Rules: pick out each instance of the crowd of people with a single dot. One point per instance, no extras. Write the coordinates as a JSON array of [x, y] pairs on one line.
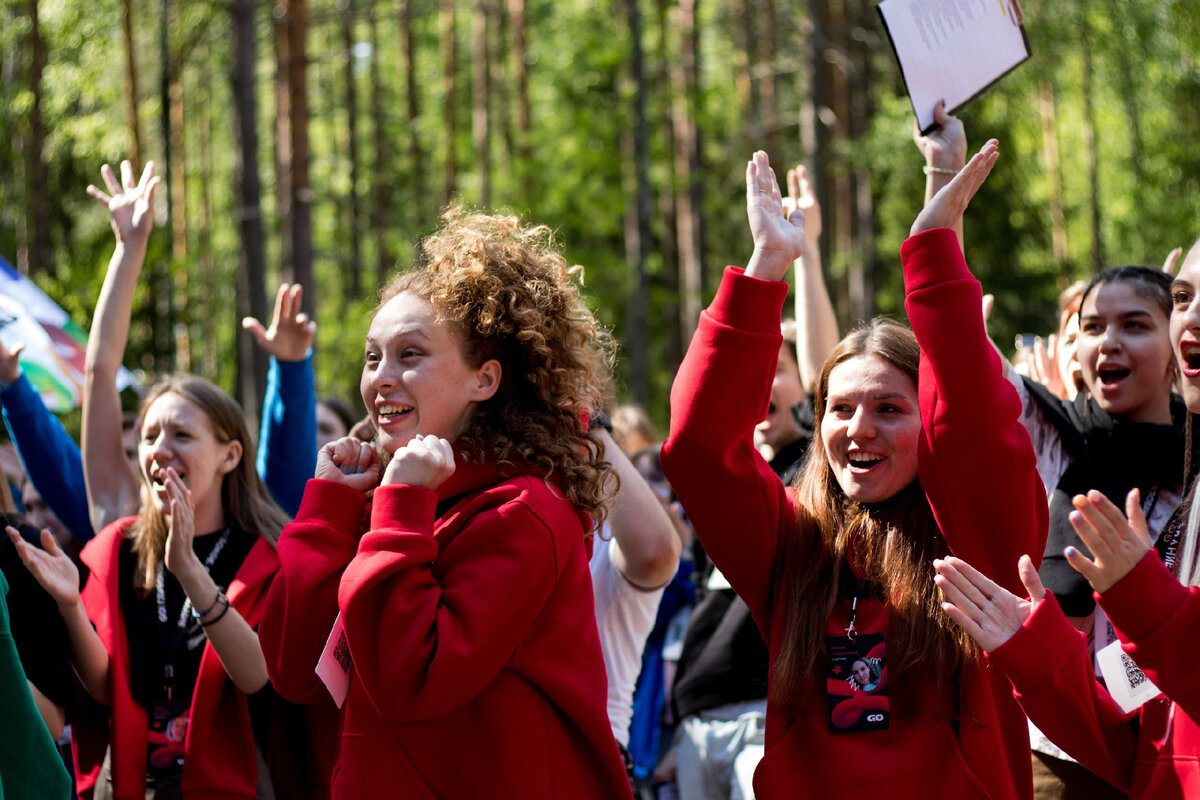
[[890, 563]]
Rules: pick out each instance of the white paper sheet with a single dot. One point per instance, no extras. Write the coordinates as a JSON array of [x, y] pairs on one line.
[[952, 49]]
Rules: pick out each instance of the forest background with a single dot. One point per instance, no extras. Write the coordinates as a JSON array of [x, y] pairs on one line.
[[317, 140]]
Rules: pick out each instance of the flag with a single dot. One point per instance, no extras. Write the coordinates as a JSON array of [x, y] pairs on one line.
[[55, 348]]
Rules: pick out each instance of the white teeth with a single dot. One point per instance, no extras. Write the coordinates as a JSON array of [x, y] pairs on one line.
[[863, 460], [387, 411]]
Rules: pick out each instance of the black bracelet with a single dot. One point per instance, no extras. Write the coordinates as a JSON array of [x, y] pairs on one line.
[[600, 420], [217, 618], [198, 614]]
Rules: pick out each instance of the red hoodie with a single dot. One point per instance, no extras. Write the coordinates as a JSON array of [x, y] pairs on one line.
[[477, 668], [1153, 752], [977, 469], [220, 757]]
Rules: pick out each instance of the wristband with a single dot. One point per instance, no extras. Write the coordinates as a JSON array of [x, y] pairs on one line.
[[600, 420], [224, 610], [198, 614], [928, 170]]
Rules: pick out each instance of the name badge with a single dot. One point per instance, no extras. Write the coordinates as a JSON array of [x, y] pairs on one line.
[[333, 668], [1124, 679], [856, 683]]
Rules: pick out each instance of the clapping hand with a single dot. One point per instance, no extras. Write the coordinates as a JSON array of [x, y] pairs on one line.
[[988, 612], [1117, 543], [50, 566]]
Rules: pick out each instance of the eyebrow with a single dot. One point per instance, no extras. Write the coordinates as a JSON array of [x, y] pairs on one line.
[[1133, 312], [415, 332], [1179, 284]]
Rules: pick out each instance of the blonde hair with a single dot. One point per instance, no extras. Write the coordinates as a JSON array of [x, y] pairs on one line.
[[244, 497], [509, 295]]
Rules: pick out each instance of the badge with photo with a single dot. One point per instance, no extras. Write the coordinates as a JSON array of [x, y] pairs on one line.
[[856, 683]]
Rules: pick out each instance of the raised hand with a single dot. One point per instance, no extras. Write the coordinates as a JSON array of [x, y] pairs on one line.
[[350, 461], [1117, 543], [1169, 261], [801, 196], [50, 566], [425, 461], [182, 528], [291, 332], [946, 208], [10, 363], [988, 612], [945, 147], [778, 237], [130, 205]]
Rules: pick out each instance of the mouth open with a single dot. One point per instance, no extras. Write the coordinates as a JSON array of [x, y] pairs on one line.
[[1190, 357], [863, 462], [393, 413], [1111, 376]]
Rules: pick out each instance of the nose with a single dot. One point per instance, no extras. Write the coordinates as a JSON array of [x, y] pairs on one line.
[[160, 449], [1191, 316], [1111, 340], [861, 425], [384, 376]]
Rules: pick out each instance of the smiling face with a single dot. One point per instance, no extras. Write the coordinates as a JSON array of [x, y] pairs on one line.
[[1124, 352], [177, 433], [870, 428], [415, 378], [1185, 328], [861, 673]]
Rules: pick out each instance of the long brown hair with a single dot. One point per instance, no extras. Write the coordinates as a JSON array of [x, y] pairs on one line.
[[244, 497], [510, 296], [891, 544]]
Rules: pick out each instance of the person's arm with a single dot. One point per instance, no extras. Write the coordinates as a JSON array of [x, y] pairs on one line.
[[59, 576], [49, 454], [287, 442], [738, 507], [314, 550], [54, 715], [1029, 640], [112, 487], [645, 546], [945, 151], [976, 464], [816, 324]]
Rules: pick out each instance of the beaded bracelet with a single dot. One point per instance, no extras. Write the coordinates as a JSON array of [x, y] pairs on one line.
[[928, 170], [217, 618]]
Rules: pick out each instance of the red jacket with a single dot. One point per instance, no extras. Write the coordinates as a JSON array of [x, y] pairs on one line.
[[220, 757], [977, 469], [477, 667], [1156, 618]]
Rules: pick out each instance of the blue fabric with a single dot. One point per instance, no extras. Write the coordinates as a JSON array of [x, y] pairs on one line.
[[287, 440], [649, 697], [51, 457]]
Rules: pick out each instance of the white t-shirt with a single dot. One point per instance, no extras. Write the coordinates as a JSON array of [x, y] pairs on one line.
[[624, 617]]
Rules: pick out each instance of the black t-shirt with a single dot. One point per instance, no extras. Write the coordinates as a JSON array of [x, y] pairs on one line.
[[166, 641], [38, 628]]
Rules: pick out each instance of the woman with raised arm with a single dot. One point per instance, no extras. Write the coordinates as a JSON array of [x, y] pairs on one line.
[[447, 565], [918, 454], [163, 633], [1147, 740]]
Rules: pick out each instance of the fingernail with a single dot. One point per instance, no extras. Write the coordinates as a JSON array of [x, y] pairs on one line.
[[1071, 552]]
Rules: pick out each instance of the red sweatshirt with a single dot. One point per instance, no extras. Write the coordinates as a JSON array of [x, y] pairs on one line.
[[477, 667], [978, 471], [1156, 618], [220, 756]]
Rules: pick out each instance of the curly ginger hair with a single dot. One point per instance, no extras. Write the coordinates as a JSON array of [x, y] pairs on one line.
[[509, 294]]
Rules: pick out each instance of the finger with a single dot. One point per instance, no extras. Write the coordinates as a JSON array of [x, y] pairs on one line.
[[1137, 520], [963, 621], [1083, 565], [939, 112], [776, 195], [1108, 509], [256, 329], [955, 596], [1087, 523], [989, 301], [1030, 578], [147, 174], [98, 195], [49, 543], [793, 180], [16, 350], [110, 180], [127, 175], [807, 195], [149, 194], [281, 304], [295, 295], [969, 583], [1172, 257], [751, 182]]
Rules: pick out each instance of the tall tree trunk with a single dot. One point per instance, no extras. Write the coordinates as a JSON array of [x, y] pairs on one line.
[[40, 251], [412, 104], [450, 100], [668, 244], [381, 179], [1089, 143], [637, 320], [502, 92], [1058, 217], [689, 224], [204, 135], [1127, 74], [350, 81], [166, 333], [768, 28], [131, 85], [252, 299], [516, 12], [861, 275], [480, 117], [295, 194]]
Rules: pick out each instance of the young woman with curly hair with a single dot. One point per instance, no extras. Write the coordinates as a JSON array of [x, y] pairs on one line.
[[918, 453], [452, 555]]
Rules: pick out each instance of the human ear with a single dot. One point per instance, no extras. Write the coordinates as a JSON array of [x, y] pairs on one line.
[[487, 381], [233, 457]]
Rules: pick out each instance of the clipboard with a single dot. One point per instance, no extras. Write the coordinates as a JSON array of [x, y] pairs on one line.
[[953, 51]]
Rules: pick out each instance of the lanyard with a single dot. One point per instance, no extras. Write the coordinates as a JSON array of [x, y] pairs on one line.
[[852, 634], [160, 589]]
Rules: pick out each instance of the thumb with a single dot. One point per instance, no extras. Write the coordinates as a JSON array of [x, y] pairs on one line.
[[17, 349], [1031, 579], [255, 327]]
